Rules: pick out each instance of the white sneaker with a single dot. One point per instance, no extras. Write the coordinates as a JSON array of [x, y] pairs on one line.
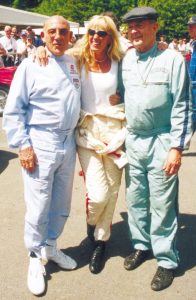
[[35, 279], [56, 255]]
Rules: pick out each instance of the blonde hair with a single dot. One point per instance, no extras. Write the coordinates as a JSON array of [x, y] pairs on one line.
[[81, 50]]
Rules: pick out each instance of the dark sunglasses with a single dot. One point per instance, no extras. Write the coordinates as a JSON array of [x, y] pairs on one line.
[[100, 33]]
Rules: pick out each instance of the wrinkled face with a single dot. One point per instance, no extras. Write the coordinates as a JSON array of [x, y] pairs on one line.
[[142, 34], [99, 39], [192, 31], [57, 35]]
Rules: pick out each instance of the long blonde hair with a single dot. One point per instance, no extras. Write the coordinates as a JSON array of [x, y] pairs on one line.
[[81, 50]]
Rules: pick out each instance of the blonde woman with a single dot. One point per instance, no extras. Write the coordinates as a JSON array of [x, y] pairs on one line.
[[101, 129]]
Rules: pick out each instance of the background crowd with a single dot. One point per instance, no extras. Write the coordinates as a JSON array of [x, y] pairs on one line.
[[15, 45]]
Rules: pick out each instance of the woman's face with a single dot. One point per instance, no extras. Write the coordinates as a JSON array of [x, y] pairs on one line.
[[99, 39]]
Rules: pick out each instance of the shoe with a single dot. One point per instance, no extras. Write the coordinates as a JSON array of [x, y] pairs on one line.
[[35, 279], [90, 232], [162, 279], [135, 259], [97, 259], [62, 260]]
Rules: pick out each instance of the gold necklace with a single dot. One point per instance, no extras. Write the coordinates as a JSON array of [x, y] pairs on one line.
[[100, 61]]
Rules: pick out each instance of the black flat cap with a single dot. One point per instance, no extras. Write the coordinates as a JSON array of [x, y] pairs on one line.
[[141, 13], [192, 20]]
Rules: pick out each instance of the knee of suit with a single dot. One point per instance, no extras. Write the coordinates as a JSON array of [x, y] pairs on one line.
[[99, 197]]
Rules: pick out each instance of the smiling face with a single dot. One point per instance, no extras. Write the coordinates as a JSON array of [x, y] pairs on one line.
[[142, 34], [57, 35], [99, 39]]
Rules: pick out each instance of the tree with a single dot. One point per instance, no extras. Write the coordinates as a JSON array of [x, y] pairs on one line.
[[80, 11], [173, 16]]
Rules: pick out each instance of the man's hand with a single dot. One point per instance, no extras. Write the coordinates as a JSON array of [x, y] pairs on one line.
[[115, 99], [41, 56], [173, 162], [28, 159]]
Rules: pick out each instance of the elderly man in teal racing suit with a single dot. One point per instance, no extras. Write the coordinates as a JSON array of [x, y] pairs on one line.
[[158, 112]]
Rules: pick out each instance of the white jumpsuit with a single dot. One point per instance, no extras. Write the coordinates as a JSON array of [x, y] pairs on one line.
[[101, 124], [42, 111]]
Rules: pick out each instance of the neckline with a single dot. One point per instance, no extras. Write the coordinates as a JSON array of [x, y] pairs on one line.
[[152, 53], [111, 66]]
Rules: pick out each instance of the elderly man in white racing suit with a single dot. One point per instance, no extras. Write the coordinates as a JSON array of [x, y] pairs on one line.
[[40, 117], [159, 128]]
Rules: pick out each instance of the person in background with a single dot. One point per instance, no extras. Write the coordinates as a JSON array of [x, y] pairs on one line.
[[21, 48], [30, 48], [40, 117], [15, 33], [163, 40], [173, 45], [182, 46], [158, 111], [192, 65], [10, 45], [2, 52], [36, 40]]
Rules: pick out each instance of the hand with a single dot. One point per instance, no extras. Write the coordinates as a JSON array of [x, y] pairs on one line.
[[173, 162], [28, 159], [115, 143], [115, 99], [41, 56]]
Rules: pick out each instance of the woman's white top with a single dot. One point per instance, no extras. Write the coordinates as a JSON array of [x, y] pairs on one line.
[[97, 88]]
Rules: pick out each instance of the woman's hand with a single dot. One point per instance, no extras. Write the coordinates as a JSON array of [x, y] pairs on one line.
[[115, 99], [41, 56]]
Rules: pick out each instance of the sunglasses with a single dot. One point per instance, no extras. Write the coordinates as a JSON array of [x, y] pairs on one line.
[[100, 33]]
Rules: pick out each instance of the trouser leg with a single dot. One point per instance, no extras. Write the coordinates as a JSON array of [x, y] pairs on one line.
[[164, 199], [99, 208], [137, 198], [37, 193], [47, 207], [62, 191], [113, 176]]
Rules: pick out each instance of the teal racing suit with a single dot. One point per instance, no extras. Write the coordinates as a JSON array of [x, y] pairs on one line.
[[158, 110]]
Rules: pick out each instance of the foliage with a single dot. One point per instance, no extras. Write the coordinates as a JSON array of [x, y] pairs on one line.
[[173, 16]]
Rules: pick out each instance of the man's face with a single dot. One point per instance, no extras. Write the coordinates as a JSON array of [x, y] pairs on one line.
[[192, 31], [142, 34], [8, 31], [57, 35]]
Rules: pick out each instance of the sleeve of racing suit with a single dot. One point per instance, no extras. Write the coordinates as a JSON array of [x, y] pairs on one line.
[[14, 115], [181, 114]]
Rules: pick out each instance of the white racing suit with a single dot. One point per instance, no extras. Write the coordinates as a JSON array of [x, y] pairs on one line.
[[100, 138]]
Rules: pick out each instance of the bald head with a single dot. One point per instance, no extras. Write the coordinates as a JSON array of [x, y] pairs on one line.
[[57, 34], [54, 20]]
